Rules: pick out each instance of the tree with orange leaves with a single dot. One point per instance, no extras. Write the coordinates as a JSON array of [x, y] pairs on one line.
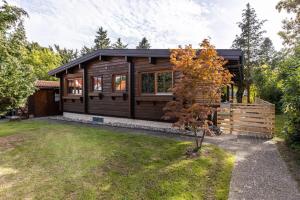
[[197, 88]]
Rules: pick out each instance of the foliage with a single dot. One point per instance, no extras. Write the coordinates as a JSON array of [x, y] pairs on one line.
[[249, 41], [143, 44], [291, 27], [66, 55], [16, 75], [290, 78], [119, 44], [101, 39], [85, 50], [267, 52], [268, 87], [201, 75], [80, 162], [43, 60]]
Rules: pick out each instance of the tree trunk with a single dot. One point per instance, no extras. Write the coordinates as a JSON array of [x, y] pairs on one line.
[[240, 92], [248, 93]]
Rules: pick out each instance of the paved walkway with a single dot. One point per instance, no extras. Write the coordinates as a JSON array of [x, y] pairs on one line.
[[259, 172]]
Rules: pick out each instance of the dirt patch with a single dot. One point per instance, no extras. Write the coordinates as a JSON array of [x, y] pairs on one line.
[[11, 141], [292, 159]]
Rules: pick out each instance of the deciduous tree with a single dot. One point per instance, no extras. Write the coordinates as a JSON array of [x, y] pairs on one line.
[[291, 27], [200, 75], [16, 76]]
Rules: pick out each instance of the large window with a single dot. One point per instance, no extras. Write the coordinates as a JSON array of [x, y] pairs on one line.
[[148, 80], [74, 86], [97, 83], [156, 82], [120, 83], [164, 82]]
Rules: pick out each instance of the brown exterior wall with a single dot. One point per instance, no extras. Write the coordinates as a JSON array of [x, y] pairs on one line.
[[111, 103], [149, 106], [42, 103], [124, 104]]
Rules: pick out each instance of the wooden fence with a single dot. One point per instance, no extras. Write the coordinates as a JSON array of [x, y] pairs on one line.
[[257, 119]]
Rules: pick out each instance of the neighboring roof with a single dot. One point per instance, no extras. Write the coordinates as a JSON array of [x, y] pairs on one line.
[[47, 84], [230, 54]]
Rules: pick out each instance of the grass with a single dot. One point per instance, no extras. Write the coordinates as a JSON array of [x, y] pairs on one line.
[[290, 156], [59, 161]]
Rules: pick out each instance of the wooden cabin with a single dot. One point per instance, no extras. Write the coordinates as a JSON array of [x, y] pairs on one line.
[[129, 83], [45, 100]]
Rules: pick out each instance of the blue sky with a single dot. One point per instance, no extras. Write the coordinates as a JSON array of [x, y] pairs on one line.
[[166, 23]]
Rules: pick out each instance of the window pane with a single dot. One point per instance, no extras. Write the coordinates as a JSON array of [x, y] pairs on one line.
[[120, 83], [97, 83], [164, 82], [74, 86], [148, 83]]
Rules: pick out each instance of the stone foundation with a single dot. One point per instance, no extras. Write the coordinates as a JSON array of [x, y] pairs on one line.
[[121, 122]]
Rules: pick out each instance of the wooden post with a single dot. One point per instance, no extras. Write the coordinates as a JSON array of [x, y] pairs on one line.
[[131, 89], [232, 93], [231, 118], [85, 88], [61, 93], [227, 96]]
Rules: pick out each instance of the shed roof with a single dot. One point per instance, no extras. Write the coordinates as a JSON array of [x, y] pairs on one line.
[[47, 84], [229, 54]]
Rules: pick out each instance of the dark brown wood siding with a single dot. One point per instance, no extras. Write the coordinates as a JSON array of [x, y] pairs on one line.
[[110, 103], [149, 106], [42, 103], [75, 103]]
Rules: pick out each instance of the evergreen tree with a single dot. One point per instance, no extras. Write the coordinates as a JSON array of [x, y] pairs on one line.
[[143, 44], [101, 39], [267, 52], [16, 76], [119, 45], [249, 41], [66, 55], [85, 50]]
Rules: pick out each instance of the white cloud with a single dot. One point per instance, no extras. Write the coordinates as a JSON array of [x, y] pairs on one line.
[[166, 23]]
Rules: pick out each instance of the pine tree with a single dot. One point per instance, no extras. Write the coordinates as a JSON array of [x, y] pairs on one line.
[[249, 41], [119, 45], [66, 55], [85, 50], [101, 39], [143, 44]]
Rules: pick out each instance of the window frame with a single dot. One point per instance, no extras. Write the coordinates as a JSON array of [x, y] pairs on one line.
[[67, 79], [114, 83], [92, 83], [155, 93]]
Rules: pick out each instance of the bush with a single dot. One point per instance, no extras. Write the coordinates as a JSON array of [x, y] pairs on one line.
[[290, 74]]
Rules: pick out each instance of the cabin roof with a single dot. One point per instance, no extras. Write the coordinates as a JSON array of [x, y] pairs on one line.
[[46, 84], [229, 54]]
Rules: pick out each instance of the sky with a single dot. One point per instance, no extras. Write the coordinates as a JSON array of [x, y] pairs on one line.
[[165, 23]]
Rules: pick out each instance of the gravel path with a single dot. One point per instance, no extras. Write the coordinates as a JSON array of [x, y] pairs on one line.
[[259, 172]]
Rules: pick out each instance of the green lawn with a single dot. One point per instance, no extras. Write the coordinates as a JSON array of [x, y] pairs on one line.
[[54, 161]]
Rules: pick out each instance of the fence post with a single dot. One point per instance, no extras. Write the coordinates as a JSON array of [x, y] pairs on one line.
[[231, 117]]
